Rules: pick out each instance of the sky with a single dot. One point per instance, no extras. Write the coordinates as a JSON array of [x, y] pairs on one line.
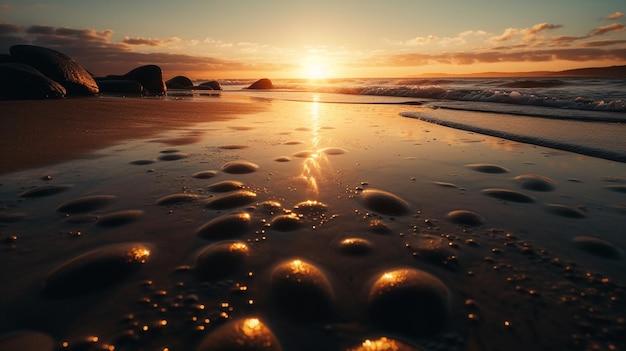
[[322, 39]]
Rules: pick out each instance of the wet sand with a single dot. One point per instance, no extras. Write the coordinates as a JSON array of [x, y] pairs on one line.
[[299, 226], [46, 132]]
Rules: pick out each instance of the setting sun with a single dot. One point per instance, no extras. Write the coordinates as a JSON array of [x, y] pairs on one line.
[[315, 68]]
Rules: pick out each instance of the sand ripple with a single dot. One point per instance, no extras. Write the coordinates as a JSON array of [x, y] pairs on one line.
[[232, 200], [487, 168], [221, 260], [225, 226], [508, 195], [384, 202], [241, 334]]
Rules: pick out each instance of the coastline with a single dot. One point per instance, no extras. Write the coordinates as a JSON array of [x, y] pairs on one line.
[[145, 173]]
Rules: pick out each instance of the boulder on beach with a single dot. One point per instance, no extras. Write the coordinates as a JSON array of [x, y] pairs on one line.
[[212, 84], [119, 86], [149, 76], [179, 82], [58, 67], [262, 83], [19, 81]]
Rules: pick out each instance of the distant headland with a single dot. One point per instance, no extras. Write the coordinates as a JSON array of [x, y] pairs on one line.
[[604, 72]]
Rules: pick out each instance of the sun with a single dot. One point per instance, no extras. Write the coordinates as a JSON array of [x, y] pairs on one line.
[[315, 68]]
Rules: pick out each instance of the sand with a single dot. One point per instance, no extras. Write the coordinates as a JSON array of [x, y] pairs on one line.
[[186, 225], [39, 132]]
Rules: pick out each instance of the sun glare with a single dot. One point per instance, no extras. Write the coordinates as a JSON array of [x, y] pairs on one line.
[[315, 68]]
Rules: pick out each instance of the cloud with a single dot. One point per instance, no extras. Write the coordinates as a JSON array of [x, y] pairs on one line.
[[606, 42], [529, 34], [9, 29], [149, 41], [614, 27], [508, 34], [581, 54], [97, 52], [614, 16]]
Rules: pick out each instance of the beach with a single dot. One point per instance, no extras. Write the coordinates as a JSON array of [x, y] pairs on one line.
[[185, 224]]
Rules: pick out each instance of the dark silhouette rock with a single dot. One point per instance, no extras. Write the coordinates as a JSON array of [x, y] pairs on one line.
[[149, 76], [58, 67], [179, 82], [19, 81], [262, 83], [4, 58], [115, 86], [213, 85]]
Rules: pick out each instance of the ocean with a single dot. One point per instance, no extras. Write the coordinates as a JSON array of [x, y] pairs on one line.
[[577, 114]]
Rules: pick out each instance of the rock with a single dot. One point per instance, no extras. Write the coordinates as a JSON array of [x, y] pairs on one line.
[[58, 67], [179, 82], [4, 58], [19, 81], [149, 76], [119, 86], [262, 83], [213, 84]]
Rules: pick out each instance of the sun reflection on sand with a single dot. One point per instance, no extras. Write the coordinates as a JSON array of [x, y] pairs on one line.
[[312, 166]]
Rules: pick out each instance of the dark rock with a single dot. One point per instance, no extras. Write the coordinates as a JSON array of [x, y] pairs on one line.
[[119, 86], [262, 83], [19, 81], [179, 82], [213, 84], [149, 76], [58, 67], [4, 58]]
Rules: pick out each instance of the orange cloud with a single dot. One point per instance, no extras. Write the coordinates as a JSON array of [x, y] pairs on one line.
[[466, 58], [149, 41], [615, 27], [614, 16]]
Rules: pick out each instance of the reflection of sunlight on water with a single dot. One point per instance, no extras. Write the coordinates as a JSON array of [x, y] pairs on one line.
[[311, 169]]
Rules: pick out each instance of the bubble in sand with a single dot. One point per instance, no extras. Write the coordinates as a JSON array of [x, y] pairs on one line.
[[355, 246], [383, 344], [46, 190], [176, 199], [598, 247], [232, 200], [118, 218], [384, 202], [221, 260], [240, 167], [465, 217], [487, 168], [535, 182], [95, 270], [286, 222], [174, 156], [304, 153], [225, 186], [205, 174], [333, 151], [311, 207], [270, 206], [27, 341], [617, 188], [434, 249], [86, 204], [508, 195], [233, 147], [409, 300], [293, 142], [282, 159], [142, 162], [301, 291], [565, 211], [226, 226], [241, 334]]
